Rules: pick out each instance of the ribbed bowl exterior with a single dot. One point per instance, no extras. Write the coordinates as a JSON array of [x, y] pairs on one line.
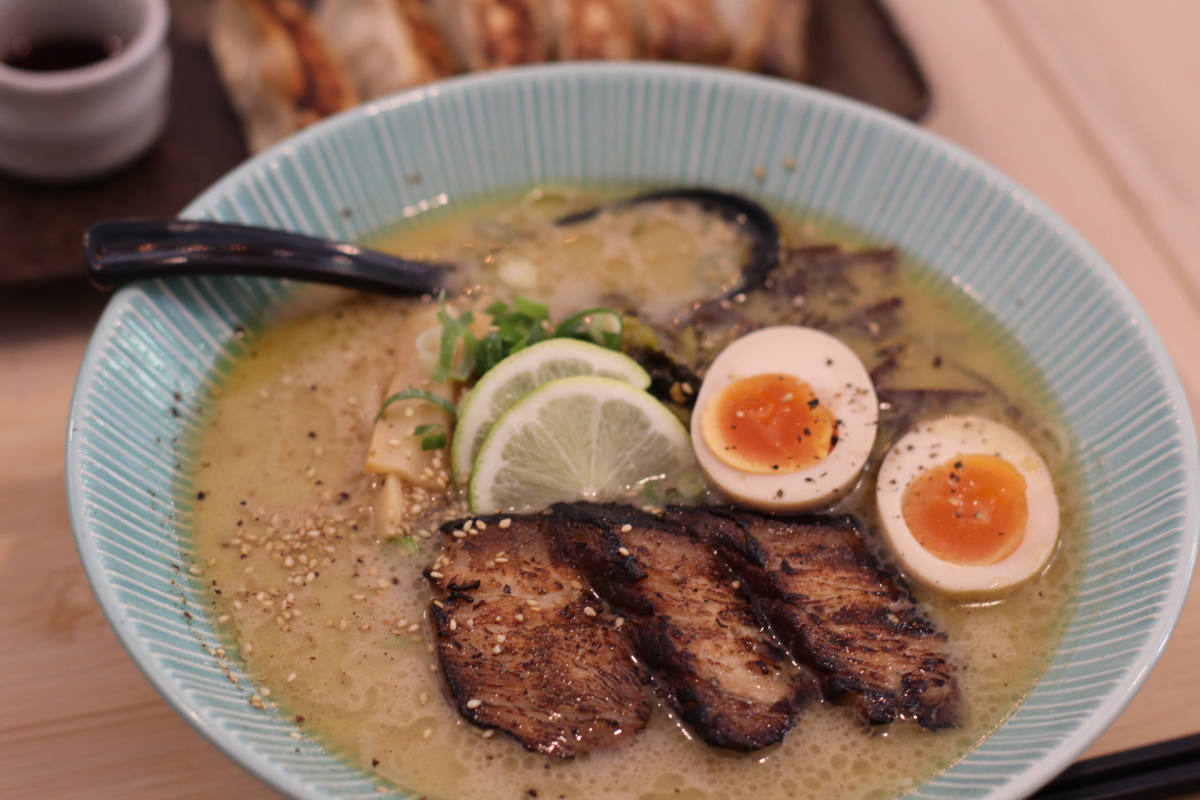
[[141, 396]]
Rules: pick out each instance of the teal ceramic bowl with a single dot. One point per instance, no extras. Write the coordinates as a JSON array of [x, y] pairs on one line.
[[138, 403]]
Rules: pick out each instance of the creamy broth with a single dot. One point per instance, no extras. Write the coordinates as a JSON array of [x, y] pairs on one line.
[[330, 617]]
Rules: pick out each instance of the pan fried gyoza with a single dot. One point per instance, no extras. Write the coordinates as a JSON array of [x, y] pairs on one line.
[[769, 36], [388, 45], [717, 668], [520, 650], [277, 67], [589, 30], [487, 34], [824, 594]]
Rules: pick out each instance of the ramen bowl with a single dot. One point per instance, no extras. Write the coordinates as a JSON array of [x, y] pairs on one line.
[[162, 345]]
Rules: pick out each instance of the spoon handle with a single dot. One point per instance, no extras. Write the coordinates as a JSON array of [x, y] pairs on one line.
[[119, 251]]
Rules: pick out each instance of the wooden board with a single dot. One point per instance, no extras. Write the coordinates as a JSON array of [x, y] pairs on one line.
[[1026, 84]]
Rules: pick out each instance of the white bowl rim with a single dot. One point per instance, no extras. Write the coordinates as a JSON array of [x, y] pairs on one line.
[[1053, 761]]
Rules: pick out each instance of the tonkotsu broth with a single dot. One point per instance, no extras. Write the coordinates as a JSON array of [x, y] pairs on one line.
[[346, 650]]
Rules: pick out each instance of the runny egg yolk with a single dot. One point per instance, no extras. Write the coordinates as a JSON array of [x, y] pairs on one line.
[[969, 511], [768, 424]]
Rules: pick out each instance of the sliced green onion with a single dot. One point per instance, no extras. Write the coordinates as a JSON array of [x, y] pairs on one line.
[[530, 308], [419, 394], [594, 318]]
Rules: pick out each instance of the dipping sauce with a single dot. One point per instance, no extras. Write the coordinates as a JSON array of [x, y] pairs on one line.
[[53, 55]]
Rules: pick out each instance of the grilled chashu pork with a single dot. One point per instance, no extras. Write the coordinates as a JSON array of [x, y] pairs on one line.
[[827, 599], [687, 622], [520, 650]]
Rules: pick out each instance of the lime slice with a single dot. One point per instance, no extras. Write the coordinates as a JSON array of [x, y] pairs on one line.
[[521, 373], [582, 438]]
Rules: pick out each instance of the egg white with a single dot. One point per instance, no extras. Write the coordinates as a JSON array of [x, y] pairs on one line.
[[838, 379], [936, 442]]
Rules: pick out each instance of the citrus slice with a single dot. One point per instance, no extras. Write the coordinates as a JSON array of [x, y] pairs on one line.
[[521, 373], [583, 438]]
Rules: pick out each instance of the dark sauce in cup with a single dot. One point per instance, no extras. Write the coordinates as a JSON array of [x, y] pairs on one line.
[[53, 55]]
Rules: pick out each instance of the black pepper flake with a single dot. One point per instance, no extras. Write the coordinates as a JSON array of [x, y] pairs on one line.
[[814, 403], [833, 440], [774, 466], [174, 411], [178, 397], [532, 792], [958, 465], [507, 589], [201, 495], [300, 719], [374, 762], [937, 361], [312, 434]]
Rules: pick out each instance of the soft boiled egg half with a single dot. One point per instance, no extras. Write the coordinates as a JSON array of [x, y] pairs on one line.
[[785, 419], [967, 506]]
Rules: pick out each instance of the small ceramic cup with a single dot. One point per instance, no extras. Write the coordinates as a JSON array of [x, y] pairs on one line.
[[74, 124]]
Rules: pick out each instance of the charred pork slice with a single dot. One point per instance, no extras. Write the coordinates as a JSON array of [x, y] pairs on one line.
[[521, 647], [827, 599], [687, 622]]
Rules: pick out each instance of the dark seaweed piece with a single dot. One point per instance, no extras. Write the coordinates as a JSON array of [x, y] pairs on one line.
[[890, 363], [822, 269], [911, 401], [670, 381], [878, 320], [754, 220]]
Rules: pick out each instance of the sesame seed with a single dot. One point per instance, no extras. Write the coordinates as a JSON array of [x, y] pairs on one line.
[[623, 551], [296, 735], [626, 528], [520, 617], [504, 523], [501, 560], [257, 702], [360, 597], [408, 412], [416, 637], [591, 612], [394, 442], [474, 703], [576, 585], [496, 650], [427, 733], [453, 624], [342, 624], [436, 575], [423, 699], [266, 692], [424, 534], [439, 604], [619, 622], [381, 583], [195, 570], [237, 604], [223, 618], [500, 637], [737, 584], [291, 677], [489, 733], [460, 534], [413, 628], [433, 667], [480, 524]]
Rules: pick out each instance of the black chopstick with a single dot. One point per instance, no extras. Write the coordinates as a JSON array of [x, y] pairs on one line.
[[1154, 772]]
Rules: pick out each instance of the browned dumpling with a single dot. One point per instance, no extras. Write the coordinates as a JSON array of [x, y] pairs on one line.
[[590, 30], [277, 67], [388, 45], [769, 36], [487, 34], [684, 30]]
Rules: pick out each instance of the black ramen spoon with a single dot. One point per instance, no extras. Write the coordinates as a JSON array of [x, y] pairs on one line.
[[118, 251], [753, 220]]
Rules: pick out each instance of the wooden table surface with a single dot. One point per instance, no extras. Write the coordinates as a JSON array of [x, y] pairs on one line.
[[1091, 104]]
